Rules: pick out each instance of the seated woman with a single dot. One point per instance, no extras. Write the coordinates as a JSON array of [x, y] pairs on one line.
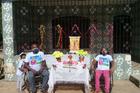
[[101, 66], [36, 65]]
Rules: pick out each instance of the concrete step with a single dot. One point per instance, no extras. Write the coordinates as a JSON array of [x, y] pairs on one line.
[[135, 65], [135, 79]]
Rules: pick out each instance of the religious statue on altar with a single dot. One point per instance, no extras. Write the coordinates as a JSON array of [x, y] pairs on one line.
[[60, 32], [70, 61], [82, 53], [42, 33]]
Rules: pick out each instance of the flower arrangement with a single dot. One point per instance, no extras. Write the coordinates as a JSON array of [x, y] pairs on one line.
[[81, 52], [57, 54]]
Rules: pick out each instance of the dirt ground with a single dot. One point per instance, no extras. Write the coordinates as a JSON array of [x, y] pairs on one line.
[[120, 86]]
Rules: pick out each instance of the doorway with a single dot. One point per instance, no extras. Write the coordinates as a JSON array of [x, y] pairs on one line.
[[122, 34]]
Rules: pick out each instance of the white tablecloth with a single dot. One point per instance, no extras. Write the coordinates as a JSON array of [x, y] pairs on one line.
[[74, 74]]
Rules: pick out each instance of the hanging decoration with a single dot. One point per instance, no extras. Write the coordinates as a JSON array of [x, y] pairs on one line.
[[93, 28], [109, 29], [60, 31]]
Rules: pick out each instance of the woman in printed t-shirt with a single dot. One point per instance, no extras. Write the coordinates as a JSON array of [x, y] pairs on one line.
[[103, 61], [36, 65]]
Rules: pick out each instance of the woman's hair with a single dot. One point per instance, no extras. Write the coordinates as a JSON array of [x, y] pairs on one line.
[[102, 49], [23, 54]]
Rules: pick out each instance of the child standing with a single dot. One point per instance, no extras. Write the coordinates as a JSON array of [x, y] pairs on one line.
[[20, 73]]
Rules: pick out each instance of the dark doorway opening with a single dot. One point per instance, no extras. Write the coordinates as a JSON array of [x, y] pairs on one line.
[[67, 23], [122, 34]]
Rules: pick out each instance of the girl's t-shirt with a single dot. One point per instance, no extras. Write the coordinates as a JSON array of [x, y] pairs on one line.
[[19, 65]]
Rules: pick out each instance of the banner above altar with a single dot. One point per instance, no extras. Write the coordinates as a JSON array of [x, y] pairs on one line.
[[74, 43]]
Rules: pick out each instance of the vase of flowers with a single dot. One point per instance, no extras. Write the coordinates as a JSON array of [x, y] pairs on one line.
[[81, 54], [58, 55]]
